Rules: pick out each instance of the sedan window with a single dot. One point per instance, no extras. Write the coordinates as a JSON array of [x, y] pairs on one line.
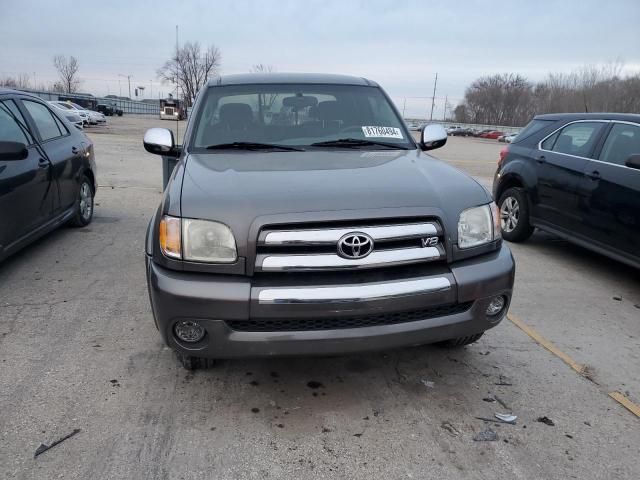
[[12, 125], [622, 142], [44, 120]]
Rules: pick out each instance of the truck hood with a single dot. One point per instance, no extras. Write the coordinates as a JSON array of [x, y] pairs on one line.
[[236, 188]]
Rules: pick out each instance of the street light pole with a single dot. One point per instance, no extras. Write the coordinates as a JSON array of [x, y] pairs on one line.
[[128, 77]]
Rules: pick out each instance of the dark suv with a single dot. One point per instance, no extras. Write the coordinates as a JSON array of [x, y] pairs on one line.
[[577, 176], [302, 218]]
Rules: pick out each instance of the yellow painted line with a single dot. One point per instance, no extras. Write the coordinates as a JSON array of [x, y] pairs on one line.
[[578, 367], [626, 403]]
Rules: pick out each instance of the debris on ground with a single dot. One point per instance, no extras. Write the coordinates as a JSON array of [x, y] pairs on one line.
[[313, 384], [617, 298], [485, 419], [489, 399], [43, 448], [546, 420], [502, 380], [427, 383], [507, 418], [487, 435], [501, 402], [450, 428]]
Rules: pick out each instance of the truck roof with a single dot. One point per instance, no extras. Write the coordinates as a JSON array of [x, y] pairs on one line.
[[284, 78]]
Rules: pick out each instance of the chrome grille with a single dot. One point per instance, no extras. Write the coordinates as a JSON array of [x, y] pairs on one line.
[[315, 248]]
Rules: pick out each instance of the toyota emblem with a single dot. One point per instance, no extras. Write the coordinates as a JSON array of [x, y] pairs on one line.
[[355, 245]]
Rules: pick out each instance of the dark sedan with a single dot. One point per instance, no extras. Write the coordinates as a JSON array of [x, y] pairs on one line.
[[577, 176], [47, 171]]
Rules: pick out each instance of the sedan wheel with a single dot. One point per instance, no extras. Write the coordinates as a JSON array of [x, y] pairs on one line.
[[84, 205]]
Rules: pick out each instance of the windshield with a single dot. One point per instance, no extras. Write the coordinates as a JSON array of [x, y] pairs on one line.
[[298, 116]]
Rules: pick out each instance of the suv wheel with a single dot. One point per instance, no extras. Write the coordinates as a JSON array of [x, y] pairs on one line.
[[84, 204], [514, 215], [462, 341], [194, 363]]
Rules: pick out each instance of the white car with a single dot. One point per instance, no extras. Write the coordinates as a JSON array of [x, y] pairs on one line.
[[510, 138], [65, 106], [95, 118]]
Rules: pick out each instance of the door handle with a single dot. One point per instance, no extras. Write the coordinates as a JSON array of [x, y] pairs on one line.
[[594, 175], [541, 159], [43, 163], [74, 149]]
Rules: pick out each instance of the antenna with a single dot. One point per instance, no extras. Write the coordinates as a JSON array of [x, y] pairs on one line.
[[433, 99], [177, 89]]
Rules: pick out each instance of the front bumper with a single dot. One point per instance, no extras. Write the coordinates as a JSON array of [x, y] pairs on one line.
[[219, 302]]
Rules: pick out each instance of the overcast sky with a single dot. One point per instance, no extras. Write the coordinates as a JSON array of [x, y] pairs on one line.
[[399, 43]]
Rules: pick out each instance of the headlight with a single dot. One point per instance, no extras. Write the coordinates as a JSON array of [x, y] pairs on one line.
[[206, 241], [197, 240], [478, 225]]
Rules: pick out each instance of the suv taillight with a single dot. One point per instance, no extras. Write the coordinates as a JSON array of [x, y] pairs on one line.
[[503, 153]]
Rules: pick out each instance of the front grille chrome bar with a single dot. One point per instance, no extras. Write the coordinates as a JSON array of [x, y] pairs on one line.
[[329, 261], [372, 291], [332, 235]]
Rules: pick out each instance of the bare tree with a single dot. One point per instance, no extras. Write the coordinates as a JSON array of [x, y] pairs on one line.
[[265, 102], [262, 68], [511, 100], [20, 82], [190, 68], [68, 72]]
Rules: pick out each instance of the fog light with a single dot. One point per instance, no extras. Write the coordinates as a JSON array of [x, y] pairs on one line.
[[189, 331], [496, 305]]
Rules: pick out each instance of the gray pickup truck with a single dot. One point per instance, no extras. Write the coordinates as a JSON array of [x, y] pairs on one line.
[[303, 219]]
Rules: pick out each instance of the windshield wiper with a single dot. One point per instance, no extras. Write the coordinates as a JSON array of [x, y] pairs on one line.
[[253, 146], [357, 142]]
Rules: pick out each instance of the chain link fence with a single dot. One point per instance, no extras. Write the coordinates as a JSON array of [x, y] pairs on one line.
[[126, 105]]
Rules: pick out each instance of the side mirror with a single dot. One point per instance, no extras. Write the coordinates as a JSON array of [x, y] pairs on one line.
[[160, 141], [433, 136], [13, 151], [633, 161]]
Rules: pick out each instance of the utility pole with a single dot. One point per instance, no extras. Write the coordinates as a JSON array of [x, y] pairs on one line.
[[433, 99], [446, 101], [404, 104]]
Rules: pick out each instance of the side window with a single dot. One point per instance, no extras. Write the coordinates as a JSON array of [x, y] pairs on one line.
[[574, 139], [13, 128], [45, 121], [61, 126], [622, 142]]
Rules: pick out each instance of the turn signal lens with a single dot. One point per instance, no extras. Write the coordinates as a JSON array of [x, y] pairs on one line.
[[170, 237], [495, 212]]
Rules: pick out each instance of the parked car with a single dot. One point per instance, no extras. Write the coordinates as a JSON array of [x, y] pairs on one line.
[[452, 129], [509, 138], [47, 171], [479, 133], [270, 240], [413, 126], [576, 176], [461, 132], [95, 118], [83, 114], [70, 115], [494, 134], [109, 109]]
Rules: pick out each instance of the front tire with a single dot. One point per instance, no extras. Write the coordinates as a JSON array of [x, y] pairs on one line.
[[514, 215], [194, 363], [84, 204], [462, 341]]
